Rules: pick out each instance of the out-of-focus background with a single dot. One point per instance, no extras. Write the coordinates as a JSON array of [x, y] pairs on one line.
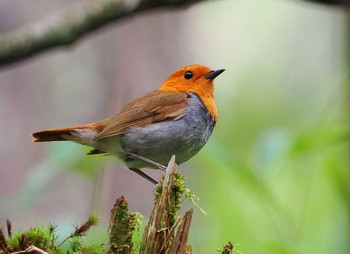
[[273, 178]]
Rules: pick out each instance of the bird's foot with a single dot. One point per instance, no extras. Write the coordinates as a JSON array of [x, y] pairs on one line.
[[144, 175], [149, 161]]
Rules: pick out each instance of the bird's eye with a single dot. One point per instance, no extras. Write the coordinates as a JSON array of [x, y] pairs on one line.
[[188, 75]]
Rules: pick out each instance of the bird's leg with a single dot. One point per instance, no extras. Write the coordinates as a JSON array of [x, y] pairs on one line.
[[144, 175], [153, 163]]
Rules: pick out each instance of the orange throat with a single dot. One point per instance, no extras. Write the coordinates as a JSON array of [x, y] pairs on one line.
[[206, 96], [209, 103]]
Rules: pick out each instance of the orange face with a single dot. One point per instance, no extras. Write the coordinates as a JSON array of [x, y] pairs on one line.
[[193, 78]]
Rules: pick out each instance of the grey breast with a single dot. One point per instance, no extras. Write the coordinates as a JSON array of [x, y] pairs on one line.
[[183, 137]]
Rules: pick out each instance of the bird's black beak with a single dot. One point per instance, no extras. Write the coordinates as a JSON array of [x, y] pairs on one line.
[[214, 74]]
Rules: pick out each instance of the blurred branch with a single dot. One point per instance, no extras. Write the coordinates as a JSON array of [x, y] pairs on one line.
[[67, 27], [331, 2], [78, 20]]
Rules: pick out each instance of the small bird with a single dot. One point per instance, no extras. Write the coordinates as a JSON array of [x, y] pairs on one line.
[[177, 118]]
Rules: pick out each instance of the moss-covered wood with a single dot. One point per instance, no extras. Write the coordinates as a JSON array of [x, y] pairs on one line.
[[122, 226], [166, 231]]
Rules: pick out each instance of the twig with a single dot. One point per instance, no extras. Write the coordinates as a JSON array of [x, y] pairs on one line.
[[3, 243], [68, 26], [31, 249], [82, 229], [9, 228]]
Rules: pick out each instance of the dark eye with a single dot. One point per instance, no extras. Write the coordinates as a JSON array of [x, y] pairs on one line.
[[188, 75]]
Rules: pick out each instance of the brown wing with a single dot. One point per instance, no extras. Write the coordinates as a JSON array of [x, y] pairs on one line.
[[153, 107]]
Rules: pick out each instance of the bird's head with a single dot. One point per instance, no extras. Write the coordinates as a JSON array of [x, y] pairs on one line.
[[197, 79], [191, 78]]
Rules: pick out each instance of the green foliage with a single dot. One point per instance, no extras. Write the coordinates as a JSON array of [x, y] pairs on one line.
[[76, 245], [41, 237], [46, 239]]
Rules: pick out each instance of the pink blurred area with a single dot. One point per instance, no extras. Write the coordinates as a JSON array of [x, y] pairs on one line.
[[78, 84]]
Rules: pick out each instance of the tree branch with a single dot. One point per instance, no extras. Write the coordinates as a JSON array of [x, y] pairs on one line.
[[331, 2], [67, 27]]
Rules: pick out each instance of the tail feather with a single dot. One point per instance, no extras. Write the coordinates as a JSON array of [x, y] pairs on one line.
[[49, 135], [60, 134]]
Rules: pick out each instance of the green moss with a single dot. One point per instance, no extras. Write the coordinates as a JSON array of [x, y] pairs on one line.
[[45, 238], [176, 196], [76, 245], [123, 226], [40, 237]]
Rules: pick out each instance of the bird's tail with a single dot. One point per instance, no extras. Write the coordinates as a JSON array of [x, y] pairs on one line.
[[82, 134]]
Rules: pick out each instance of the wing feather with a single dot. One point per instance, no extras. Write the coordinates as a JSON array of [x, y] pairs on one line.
[[153, 107]]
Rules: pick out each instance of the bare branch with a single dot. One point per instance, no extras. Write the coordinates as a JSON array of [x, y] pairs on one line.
[[31, 249], [67, 27]]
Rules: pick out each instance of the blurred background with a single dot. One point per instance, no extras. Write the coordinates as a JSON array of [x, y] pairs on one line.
[[273, 178]]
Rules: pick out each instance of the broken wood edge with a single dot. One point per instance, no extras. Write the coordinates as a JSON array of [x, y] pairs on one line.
[[164, 223], [179, 244]]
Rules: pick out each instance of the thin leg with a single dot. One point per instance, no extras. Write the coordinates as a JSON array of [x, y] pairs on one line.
[[144, 175], [140, 157]]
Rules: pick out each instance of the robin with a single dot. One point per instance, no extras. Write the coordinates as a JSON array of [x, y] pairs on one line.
[[177, 118]]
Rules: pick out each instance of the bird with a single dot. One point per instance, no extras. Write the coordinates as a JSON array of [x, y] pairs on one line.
[[175, 119]]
